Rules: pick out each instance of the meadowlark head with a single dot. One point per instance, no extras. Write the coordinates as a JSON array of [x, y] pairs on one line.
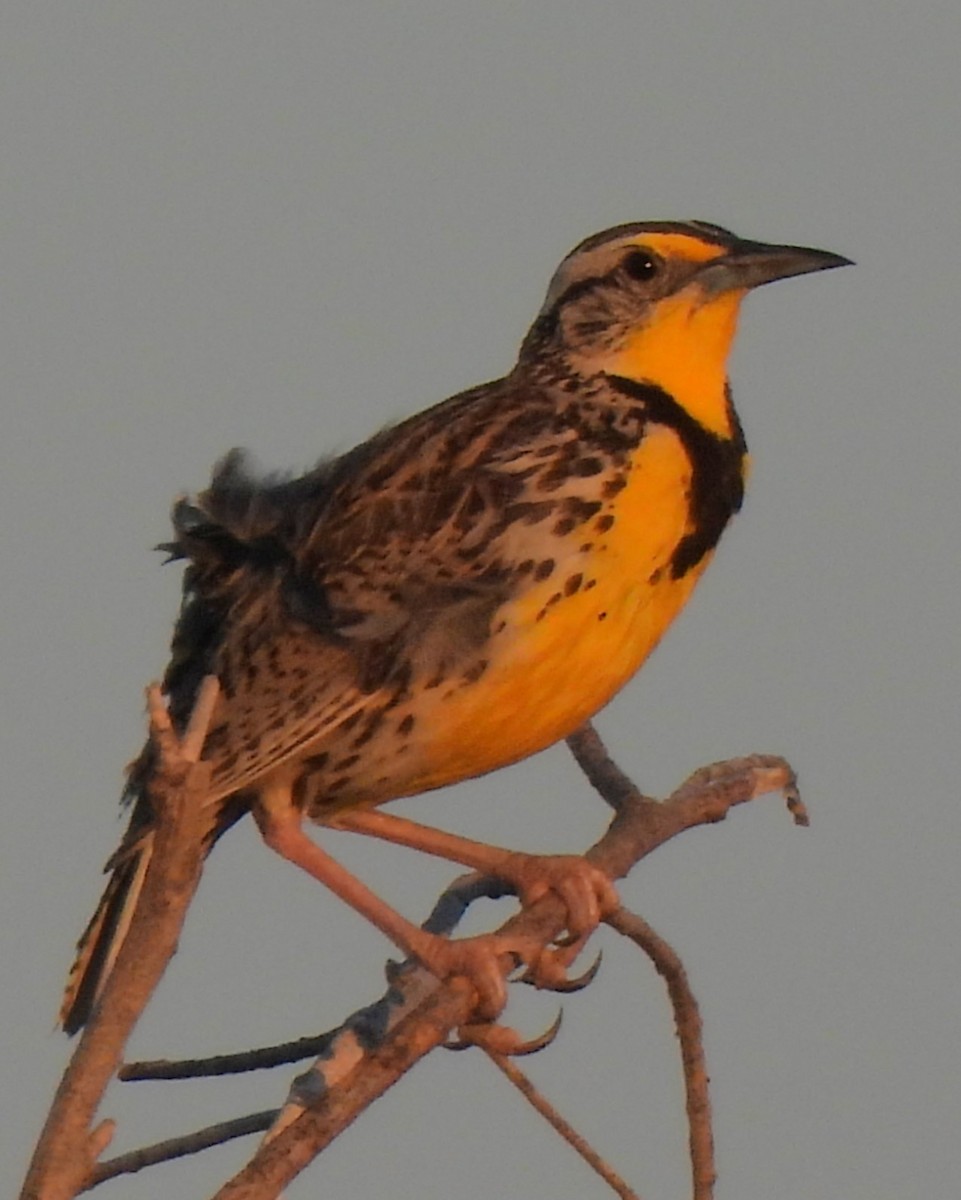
[[657, 288]]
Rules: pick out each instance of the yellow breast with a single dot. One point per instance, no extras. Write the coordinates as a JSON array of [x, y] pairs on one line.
[[563, 648]]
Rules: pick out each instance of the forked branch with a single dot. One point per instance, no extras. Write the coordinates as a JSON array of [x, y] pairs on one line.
[[376, 1048], [325, 1100], [67, 1149]]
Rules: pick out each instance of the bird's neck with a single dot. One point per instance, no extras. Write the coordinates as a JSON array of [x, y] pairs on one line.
[[684, 352]]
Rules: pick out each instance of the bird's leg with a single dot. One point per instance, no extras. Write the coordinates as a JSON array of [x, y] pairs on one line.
[[587, 892], [479, 958]]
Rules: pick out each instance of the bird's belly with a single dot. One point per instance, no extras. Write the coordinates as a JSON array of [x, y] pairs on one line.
[[563, 648]]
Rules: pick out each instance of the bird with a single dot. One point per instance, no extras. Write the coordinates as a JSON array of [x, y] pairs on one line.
[[463, 589]]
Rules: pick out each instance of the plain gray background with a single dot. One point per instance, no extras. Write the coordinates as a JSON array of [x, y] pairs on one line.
[[280, 225]]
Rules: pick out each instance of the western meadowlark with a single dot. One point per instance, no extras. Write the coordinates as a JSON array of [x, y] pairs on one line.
[[465, 588]]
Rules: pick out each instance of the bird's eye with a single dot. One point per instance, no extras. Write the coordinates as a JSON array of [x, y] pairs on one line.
[[641, 264]]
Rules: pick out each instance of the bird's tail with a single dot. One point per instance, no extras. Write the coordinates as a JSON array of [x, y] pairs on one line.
[[101, 941]]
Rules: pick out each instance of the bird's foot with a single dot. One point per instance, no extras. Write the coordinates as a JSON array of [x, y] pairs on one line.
[[485, 961], [586, 891], [502, 1040], [588, 896], [550, 970]]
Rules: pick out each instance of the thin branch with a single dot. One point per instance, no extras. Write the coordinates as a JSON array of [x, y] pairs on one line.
[[562, 1127], [238, 1063], [309, 1123], [280, 1160], [180, 1147], [368, 1025], [363, 1060], [603, 774], [67, 1151], [689, 1032]]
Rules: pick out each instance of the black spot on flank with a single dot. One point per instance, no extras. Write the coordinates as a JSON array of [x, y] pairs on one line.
[[316, 762], [406, 725], [346, 763], [475, 503], [587, 466], [602, 616], [475, 672], [573, 584], [525, 567], [544, 569], [528, 511], [368, 732], [564, 526], [591, 583], [603, 524], [613, 486], [581, 510], [551, 480]]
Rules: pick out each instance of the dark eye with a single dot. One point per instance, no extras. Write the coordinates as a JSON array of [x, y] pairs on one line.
[[641, 264]]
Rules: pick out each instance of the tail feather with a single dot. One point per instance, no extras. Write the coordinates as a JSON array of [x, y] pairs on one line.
[[101, 941]]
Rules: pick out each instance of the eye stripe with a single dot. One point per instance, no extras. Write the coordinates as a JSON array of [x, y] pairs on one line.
[[575, 291]]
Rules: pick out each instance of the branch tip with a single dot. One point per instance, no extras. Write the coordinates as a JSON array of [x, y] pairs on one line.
[[577, 1141], [100, 1138], [193, 740], [687, 1020]]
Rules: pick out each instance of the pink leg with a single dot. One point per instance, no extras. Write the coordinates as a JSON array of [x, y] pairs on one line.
[[585, 890], [480, 958]]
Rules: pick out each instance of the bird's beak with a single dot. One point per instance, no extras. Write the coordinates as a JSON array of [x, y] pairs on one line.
[[749, 264]]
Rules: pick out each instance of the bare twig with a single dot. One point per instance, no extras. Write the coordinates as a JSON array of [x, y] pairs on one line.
[[280, 1160], [308, 1125], [67, 1151], [688, 1021], [368, 1025], [603, 774], [367, 1055], [567, 1131], [179, 1147], [237, 1063]]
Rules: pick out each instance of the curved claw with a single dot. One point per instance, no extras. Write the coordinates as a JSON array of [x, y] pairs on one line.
[[566, 986], [543, 1040], [501, 1039]]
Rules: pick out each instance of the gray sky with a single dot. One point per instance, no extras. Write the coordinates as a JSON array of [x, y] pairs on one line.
[[266, 225]]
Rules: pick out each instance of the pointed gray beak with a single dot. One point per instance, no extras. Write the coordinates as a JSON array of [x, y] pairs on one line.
[[749, 264]]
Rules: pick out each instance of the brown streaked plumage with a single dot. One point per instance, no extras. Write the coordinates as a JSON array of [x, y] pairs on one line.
[[466, 587]]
